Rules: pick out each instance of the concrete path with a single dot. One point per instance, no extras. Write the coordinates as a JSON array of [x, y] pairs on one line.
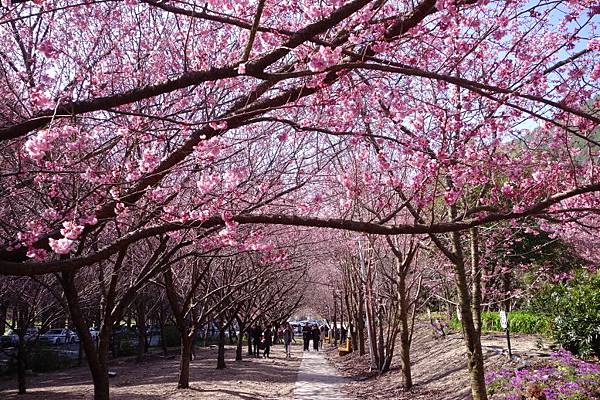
[[317, 380]]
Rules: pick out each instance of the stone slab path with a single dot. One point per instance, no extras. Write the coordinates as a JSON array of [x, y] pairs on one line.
[[317, 380]]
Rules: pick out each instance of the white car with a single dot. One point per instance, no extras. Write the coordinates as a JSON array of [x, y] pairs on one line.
[[58, 336]]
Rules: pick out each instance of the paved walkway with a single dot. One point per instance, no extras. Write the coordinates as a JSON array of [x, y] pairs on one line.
[[317, 380]]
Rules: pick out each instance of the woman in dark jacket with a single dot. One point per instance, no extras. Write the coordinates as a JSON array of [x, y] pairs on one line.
[[268, 335], [316, 336], [306, 332], [256, 334]]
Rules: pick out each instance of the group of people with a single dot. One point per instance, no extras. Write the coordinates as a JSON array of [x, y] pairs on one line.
[[263, 339], [260, 339], [314, 333]]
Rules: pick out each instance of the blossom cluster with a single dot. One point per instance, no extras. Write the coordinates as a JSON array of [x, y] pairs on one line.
[[564, 378], [324, 58], [38, 145]]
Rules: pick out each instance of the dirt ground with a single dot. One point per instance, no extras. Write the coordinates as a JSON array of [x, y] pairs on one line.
[[438, 369], [438, 366], [156, 378]]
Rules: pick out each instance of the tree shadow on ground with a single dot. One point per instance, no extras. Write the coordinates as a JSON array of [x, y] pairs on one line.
[[156, 378]]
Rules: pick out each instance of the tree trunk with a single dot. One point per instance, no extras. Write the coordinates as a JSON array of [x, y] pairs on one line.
[[96, 358], [380, 344], [472, 338], [351, 330], [221, 352], [404, 332], [276, 326], [141, 328], [335, 329], [101, 385], [21, 362], [371, 332], [240, 343], [476, 280], [79, 354], [360, 322], [405, 356], [161, 324], [3, 317], [474, 352], [184, 364]]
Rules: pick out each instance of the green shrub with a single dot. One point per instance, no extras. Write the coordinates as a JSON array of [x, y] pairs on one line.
[[128, 347], [575, 309], [518, 322], [44, 359]]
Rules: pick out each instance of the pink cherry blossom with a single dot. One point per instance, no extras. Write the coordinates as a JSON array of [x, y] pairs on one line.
[[61, 246], [324, 58], [71, 230]]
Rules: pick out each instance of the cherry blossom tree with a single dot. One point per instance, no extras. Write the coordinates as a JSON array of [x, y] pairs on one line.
[[124, 121]]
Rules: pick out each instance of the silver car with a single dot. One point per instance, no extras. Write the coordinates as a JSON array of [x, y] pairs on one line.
[[58, 336]]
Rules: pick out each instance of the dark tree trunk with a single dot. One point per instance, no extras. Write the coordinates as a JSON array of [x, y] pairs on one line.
[[184, 364], [3, 315], [141, 328], [381, 344], [79, 354], [276, 326], [221, 352], [163, 342], [360, 322], [115, 343], [404, 329], [335, 329], [405, 357], [96, 357], [405, 343], [240, 343], [161, 324], [21, 362], [476, 273], [239, 348], [472, 338]]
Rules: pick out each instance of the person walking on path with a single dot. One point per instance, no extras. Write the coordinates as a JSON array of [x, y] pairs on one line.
[[288, 336], [316, 336], [268, 336], [256, 334], [322, 337], [306, 336]]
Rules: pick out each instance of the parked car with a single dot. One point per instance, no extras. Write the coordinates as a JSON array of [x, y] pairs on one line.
[[11, 338], [152, 330], [32, 334], [58, 336]]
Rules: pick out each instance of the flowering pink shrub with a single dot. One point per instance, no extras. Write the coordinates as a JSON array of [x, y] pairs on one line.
[[564, 378]]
